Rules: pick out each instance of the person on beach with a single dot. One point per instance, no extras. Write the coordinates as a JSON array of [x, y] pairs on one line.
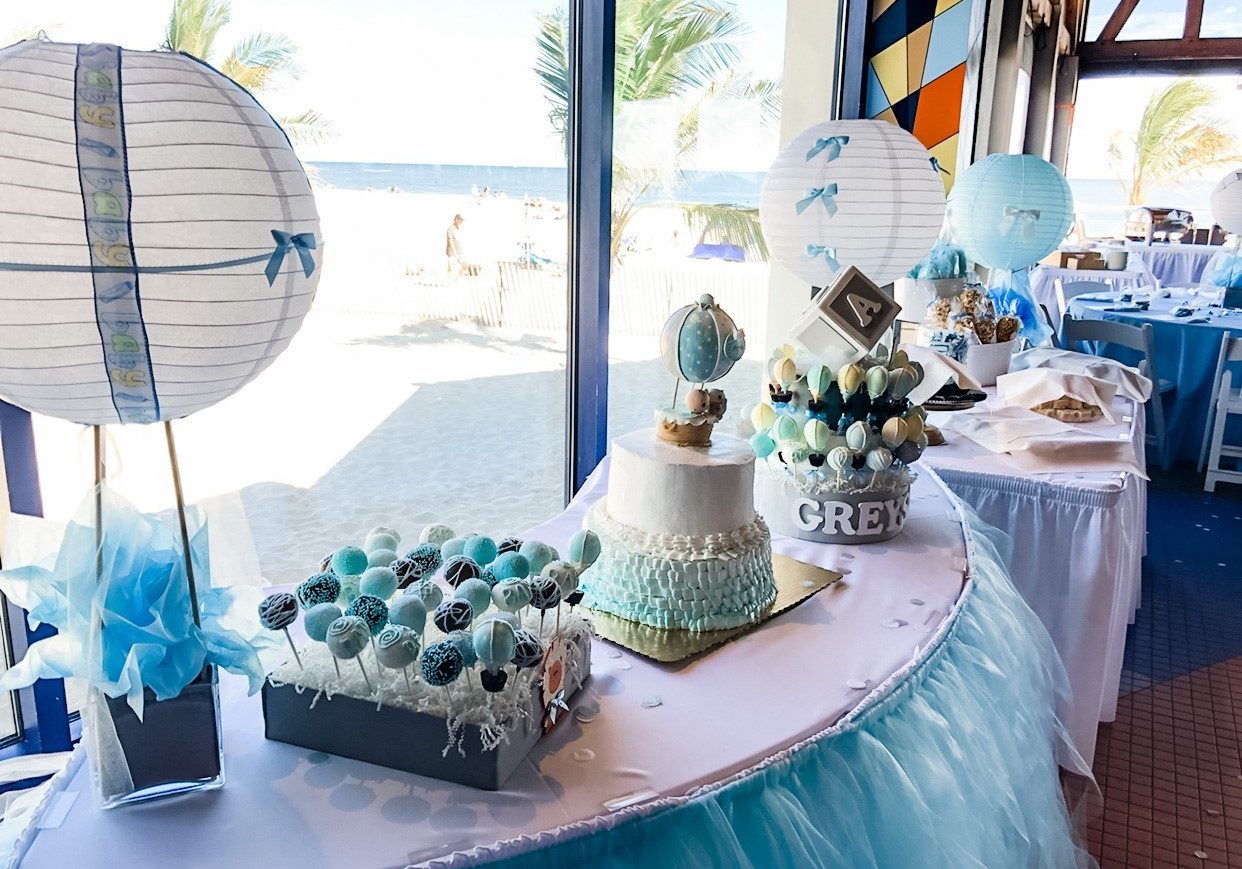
[[453, 249]]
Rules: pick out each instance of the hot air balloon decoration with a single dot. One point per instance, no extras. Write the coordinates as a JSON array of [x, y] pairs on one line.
[[699, 344]]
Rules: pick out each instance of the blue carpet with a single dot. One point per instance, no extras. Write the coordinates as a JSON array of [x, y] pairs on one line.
[[1191, 614]]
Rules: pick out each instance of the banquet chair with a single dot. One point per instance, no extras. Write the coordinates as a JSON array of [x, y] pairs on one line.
[[1226, 399], [1048, 322], [1067, 290], [1140, 338]]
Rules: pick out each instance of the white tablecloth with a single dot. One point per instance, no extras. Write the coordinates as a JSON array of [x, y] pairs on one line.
[[1044, 278], [1175, 265], [1078, 542], [721, 714]]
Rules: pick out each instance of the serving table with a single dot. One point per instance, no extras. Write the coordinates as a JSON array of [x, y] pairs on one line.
[[1175, 265], [900, 717], [1078, 537]]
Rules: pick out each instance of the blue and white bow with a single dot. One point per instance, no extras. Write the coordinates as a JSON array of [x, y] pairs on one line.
[[831, 144], [303, 243], [1025, 216], [828, 253], [823, 194]]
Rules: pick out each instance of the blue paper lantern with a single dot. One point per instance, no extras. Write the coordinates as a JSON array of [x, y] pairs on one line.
[[1010, 210]]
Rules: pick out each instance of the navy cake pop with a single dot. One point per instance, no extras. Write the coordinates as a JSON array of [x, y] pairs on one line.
[[276, 613], [527, 649], [370, 609], [453, 615], [460, 568], [426, 556], [441, 663], [320, 588], [407, 571], [509, 544]]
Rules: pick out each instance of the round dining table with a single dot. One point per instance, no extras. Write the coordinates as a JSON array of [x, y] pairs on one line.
[[1187, 348], [1175, 265]]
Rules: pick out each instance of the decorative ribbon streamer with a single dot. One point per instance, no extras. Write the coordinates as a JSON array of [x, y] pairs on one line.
[[823, 194], [936, 165], [1026, 216], [831, 144], [303, 243], [828, 253]]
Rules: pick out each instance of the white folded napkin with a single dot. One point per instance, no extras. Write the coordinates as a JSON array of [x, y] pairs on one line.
[[938, 370], [1129, 382], [1027, 389]]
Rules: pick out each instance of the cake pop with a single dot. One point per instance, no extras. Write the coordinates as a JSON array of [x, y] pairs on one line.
[[511, 595], [370, 609], [320, 588], [477, 592], [381, 558], [510, 565], [435, 534], [482, 549], [464, 644], [584, 548], [426, 556], [537, 555], [428, 592], [349, 589], [347, 637], [380, 582], [544, 595], [408, 610], [527, 649], [349, 561], [510, 619], [317, 621], [459, 568], [441, 663], [396, 648], [453, 615], [276, 613], [381, 538], [452, 546], [494, 643], [407, 570], [509, 544]]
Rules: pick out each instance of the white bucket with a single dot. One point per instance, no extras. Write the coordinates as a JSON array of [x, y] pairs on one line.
[[986, 362]]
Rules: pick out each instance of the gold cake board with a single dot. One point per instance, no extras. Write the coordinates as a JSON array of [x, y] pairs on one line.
[[795, 582]]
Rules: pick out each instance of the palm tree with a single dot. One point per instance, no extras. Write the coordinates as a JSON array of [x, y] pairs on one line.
[[258, 62], [685, 54], [1176, 138]]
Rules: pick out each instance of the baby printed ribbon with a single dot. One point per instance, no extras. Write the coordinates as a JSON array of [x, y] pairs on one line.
[[828, 253], [823, 194], [830, 144], [1027, 217], [303, 243]]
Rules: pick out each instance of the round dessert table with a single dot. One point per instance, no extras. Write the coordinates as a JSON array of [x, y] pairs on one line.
[[900, 717], [1186, 353]]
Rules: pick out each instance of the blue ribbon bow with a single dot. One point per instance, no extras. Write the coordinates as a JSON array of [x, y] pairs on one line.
[[831, 144], [1026, 216], [303, 243], [828, 253], [823, 194]]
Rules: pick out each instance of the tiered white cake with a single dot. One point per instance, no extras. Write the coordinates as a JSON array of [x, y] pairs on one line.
[[681, 545]]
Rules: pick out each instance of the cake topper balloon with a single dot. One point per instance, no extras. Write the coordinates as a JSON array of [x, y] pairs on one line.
[[699, 344]]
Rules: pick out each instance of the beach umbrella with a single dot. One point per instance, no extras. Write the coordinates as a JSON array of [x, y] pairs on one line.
[[159, 242], [852, 193]]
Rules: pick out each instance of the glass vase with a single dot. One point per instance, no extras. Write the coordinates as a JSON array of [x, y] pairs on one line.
[[176, 748]]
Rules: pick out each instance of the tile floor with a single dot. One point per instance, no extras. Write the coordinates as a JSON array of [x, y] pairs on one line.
[[1169, 768]]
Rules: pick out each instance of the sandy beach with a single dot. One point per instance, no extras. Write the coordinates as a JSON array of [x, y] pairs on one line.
[[408, 397]]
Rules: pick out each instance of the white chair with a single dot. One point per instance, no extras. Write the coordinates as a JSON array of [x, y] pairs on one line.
[[1140, 338], [1226, 400], [1052, 339], [1067, 290]]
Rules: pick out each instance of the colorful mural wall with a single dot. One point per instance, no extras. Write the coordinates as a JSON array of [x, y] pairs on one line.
[[916, 70]]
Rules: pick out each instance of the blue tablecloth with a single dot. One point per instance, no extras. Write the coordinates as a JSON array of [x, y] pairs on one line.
[[1186, 354]]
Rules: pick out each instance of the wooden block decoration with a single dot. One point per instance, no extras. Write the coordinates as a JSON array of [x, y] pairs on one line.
[[853, 307]]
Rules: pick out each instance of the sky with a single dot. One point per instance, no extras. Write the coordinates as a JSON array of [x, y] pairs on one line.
[[404, 81]]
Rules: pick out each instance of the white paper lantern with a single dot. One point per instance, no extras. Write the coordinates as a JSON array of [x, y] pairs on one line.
[[158, 238], [852, 193], [1227, 202]]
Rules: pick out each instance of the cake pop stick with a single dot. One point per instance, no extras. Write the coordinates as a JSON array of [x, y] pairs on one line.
[[276, 613]]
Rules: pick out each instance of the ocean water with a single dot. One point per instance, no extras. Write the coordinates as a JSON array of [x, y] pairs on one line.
[[1098, 201]]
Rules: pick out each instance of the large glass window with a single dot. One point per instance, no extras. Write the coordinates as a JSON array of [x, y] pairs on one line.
[[427, 382]]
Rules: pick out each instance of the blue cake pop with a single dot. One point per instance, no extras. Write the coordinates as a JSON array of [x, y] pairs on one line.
[[477, 592], [381, 557], [510, 565], [482, 549], [396, 647], [511, 595], [537, 555], [349, 561], [372, 610], [452, 546], [318, 619], [584, 548], [436, 534], [527, 649], [453, 615], [320, 588], [347, 637], [459, 568], [379, 582], [509, 544], [494, 643], [408, 610], [381, 538], [508, 618], [426, 556], [428, 592], [465, 645], [441, 663]]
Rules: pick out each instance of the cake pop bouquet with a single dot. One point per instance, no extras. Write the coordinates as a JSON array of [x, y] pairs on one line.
[[849, 430]]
